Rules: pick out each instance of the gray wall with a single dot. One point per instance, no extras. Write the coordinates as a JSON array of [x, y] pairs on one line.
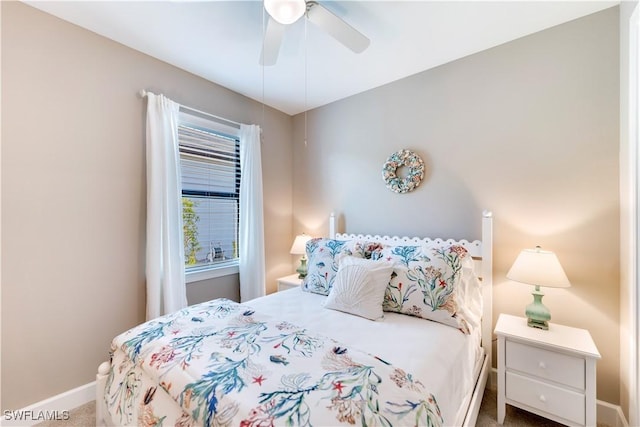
[[73, 196], [528, 129]]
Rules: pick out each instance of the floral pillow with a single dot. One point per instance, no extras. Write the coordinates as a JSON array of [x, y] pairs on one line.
[[427, 282], [323, 257]]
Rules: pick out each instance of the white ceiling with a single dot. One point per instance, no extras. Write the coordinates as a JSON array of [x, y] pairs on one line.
[[221, 41]]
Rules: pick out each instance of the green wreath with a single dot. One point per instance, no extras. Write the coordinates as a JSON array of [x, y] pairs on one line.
[[412, 162]]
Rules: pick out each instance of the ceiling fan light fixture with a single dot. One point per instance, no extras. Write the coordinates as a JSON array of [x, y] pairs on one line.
[[285, 11]]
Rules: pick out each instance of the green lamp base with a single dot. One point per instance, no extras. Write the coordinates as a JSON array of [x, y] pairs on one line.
[[302, 269], [538, 315]]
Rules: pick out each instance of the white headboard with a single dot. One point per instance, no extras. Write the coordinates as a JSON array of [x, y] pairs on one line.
[[480, 250]]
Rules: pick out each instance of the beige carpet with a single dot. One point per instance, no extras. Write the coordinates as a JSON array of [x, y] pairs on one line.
[[84, 416]]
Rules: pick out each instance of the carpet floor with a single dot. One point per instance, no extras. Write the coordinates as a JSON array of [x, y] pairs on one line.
[[84, 416]]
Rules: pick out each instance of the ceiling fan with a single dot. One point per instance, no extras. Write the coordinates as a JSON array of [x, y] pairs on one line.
[[286, 12]]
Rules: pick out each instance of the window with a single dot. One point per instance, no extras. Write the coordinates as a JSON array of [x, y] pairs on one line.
[[210, 169]]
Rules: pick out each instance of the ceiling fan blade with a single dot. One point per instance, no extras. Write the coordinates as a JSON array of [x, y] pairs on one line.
[[271, 43], [336, 27]]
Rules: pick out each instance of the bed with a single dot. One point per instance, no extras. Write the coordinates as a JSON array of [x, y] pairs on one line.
[[323, 353]]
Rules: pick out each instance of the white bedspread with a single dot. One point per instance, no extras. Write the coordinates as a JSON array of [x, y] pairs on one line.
[[441, 357]]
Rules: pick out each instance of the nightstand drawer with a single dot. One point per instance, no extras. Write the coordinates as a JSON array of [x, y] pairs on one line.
[[558, 367], [546, 397]]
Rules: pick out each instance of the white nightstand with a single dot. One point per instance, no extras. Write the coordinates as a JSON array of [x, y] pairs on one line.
[[289, 282], [550, 373]]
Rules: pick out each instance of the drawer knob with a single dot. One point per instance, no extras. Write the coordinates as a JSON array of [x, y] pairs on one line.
[[542, 365], [542, 398]]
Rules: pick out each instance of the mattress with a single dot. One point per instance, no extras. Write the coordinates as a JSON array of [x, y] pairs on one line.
[[444, 359], [415, 370]]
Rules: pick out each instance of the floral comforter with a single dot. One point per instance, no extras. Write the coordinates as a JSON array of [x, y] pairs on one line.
[[220, 363]]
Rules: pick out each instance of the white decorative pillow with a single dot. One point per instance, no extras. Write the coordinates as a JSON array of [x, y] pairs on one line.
[[359, 287]]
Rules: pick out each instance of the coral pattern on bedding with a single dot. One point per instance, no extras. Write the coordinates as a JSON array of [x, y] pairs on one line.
[[221, 364], [426, 283]]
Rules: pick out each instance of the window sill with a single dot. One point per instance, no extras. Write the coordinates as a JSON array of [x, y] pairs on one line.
[[212, 272]]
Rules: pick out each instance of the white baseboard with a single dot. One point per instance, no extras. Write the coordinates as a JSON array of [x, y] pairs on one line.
[[610, 415], [53, 408], [607, 414]]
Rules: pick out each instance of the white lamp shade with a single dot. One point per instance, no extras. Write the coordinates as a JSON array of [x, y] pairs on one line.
[[538, 267], [285, 11], [299, 246]]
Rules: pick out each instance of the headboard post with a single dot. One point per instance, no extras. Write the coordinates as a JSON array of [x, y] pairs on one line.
[[332, 226], [487, 285]]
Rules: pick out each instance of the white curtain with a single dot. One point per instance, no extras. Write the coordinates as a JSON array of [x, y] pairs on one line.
[[166, 290], [251, 251]]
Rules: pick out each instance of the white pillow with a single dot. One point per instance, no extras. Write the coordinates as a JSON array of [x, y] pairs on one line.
[[359, 287]]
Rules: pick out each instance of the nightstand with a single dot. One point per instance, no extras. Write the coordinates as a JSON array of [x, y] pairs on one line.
[[289, 282], [550, 373]]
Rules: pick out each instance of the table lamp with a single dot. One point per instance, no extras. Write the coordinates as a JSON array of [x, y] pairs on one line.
[[539, 268], [299, 247]]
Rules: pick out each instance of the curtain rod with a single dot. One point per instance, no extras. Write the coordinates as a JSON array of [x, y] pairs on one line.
[[143, 94]]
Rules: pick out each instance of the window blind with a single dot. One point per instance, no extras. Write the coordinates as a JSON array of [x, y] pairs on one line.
[[210, 169]]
